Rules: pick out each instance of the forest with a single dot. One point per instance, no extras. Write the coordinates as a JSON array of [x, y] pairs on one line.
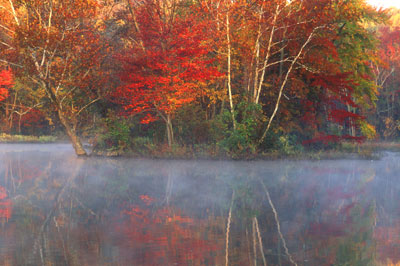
[[209, 77]]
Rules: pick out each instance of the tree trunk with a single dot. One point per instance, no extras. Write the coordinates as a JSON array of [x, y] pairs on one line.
[[19, 124], [282, 87], [229, 71], [170, 132], [76, 142], [8, 119], [257, 90]]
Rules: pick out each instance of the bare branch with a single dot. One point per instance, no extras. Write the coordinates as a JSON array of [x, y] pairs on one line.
[[10, 63], [29, 109], [87, 105], [6, 44], [13, 12], [6, 28]]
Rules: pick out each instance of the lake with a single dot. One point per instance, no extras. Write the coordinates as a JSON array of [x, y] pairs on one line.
[[57, 209]]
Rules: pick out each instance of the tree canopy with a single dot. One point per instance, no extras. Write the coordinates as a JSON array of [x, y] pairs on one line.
[[250, 76]]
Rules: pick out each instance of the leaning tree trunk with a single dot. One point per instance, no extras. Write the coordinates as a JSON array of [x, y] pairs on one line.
[[76, 141]]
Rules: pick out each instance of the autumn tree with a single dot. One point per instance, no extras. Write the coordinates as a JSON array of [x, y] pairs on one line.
[[342, 91], [386, 79], [56, 46], [274, 49], [168, 64]]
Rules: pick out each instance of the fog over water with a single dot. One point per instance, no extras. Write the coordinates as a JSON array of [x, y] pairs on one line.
[[57, 209]]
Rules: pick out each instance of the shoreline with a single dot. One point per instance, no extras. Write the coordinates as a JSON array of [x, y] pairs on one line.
[[365, 151]]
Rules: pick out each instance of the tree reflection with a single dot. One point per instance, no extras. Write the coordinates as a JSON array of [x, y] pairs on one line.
[[61, 210]]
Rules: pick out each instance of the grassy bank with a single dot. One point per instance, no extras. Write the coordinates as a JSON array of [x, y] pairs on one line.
[[6, 138]]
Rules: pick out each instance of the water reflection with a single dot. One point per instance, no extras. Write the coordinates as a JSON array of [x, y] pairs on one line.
[[56, 209]]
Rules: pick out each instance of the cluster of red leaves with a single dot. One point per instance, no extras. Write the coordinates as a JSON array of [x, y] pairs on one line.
[[336, 96], [171, 67], [33, 119], [342, 116], [6, 81], [389, 46]]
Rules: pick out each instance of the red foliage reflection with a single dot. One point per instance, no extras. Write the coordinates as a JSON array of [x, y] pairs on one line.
[[163, 235], [5, 205]]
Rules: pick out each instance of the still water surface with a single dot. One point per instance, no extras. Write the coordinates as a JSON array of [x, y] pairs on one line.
[[57, 209]]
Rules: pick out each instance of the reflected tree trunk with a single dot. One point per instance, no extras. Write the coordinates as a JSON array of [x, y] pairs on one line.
[[39, 244], [168, 189], [228, 227]]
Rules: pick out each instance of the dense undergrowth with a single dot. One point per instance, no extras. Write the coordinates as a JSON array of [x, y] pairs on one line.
[[214, 140]]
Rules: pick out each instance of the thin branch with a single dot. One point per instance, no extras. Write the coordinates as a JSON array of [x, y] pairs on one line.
[[6, 28], [13, 12], [383, 81], [6, 44], [289, 59], [10, 63], [87, 105], [159, 113], [27, 111]]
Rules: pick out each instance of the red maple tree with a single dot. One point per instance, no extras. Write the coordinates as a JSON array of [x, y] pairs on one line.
[[168, 67]]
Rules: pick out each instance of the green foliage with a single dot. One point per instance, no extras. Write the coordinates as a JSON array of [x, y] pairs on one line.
[[283, 143], [367, 130], [142, 145], [355, 48], [238, 141], [288, 145], [243, 140], [113, 134]]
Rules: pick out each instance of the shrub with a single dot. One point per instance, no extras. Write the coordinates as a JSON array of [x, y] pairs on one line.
[[142, 145], [113, 134], [244, 139]]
